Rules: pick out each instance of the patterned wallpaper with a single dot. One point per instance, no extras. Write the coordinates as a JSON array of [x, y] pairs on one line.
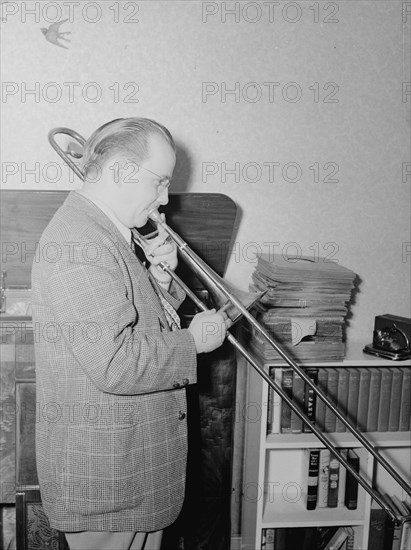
[[299, 111]]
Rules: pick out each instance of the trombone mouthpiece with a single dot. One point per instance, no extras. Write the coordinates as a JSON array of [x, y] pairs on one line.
[[154, 215]]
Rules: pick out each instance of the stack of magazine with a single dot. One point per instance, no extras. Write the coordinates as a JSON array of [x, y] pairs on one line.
[[304, 307]]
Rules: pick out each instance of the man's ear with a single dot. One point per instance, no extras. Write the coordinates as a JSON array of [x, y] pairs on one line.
[[92, 172]]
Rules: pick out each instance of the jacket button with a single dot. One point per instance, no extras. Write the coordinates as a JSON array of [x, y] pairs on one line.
[[181, 415], [186, 381]]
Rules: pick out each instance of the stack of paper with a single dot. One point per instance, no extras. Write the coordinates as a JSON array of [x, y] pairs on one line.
[[304, 307]]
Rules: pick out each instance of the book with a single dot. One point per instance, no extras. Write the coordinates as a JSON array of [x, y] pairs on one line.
[[324, 535], [395, 527], [374, 400], [379, 537], [385, 398], [310, 399], [332, 391], [338, 539], [400, 506], [351, 484], [287, 386], [363, 399], [395, 400], [269, 539], [352, 400], [323, 473], [350, 538], [406, 530], [276, 402], [310, 538], [280, 539], [312, 460], [405, 543], [298, 398], [343, 478], [333, 482], [405, 410], [402, 531], [342, 398], [320, 405]]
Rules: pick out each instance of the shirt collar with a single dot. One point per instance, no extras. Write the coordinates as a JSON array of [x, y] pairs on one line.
[[125, 231]]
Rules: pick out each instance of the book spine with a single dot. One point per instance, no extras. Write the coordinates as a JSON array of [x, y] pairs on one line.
[[385, 398], [343, 479], [310, 399], [353, 389], [405, 537], [402, 509], [333, 483], [378, 534], [276, 403], [320, 405], [298, 398], [350, 538], [342, 398], [269, 539], [396, 538], [323, 474], [287, 385], [312, 482], [406, 534], [351, 484], [395, 400], [374, 400], [396, 528], [332, 392], [338, 539], [363, 399], [405, 411], [262, 545]]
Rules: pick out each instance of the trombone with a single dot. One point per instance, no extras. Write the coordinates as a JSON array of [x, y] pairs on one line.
[[236, 304]]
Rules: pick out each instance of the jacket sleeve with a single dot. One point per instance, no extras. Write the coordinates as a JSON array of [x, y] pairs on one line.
[[120, 348]]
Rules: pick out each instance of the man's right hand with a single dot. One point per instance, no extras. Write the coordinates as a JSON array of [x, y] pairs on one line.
[[209, 329]]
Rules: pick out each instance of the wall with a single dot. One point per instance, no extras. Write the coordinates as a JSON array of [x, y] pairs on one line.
[[296, 110]]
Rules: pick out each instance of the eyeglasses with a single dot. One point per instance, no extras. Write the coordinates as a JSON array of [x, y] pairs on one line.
[[163, 184]]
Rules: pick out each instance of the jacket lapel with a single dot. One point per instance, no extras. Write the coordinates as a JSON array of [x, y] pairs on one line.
[[124, 249]]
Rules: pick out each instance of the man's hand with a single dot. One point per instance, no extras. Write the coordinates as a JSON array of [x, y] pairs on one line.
[[209, 329], [160, 250]]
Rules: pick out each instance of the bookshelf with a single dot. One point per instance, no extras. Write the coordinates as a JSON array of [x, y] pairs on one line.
[[274, 465]]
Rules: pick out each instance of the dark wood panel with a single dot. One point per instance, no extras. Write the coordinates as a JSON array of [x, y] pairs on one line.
[[7, 424], [205, 220], [26, 471], [204, 523]]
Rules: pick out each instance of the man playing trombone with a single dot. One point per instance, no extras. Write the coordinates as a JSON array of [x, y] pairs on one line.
[[112, 360]]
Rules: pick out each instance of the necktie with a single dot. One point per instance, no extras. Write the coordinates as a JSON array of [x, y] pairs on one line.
[[171, 314]]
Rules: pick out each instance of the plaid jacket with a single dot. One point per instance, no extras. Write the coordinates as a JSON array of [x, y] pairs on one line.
[[111, 432]]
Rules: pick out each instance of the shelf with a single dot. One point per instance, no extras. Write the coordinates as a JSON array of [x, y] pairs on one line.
[[275, 473], [292, 514], [343, 439], [354, 357]]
